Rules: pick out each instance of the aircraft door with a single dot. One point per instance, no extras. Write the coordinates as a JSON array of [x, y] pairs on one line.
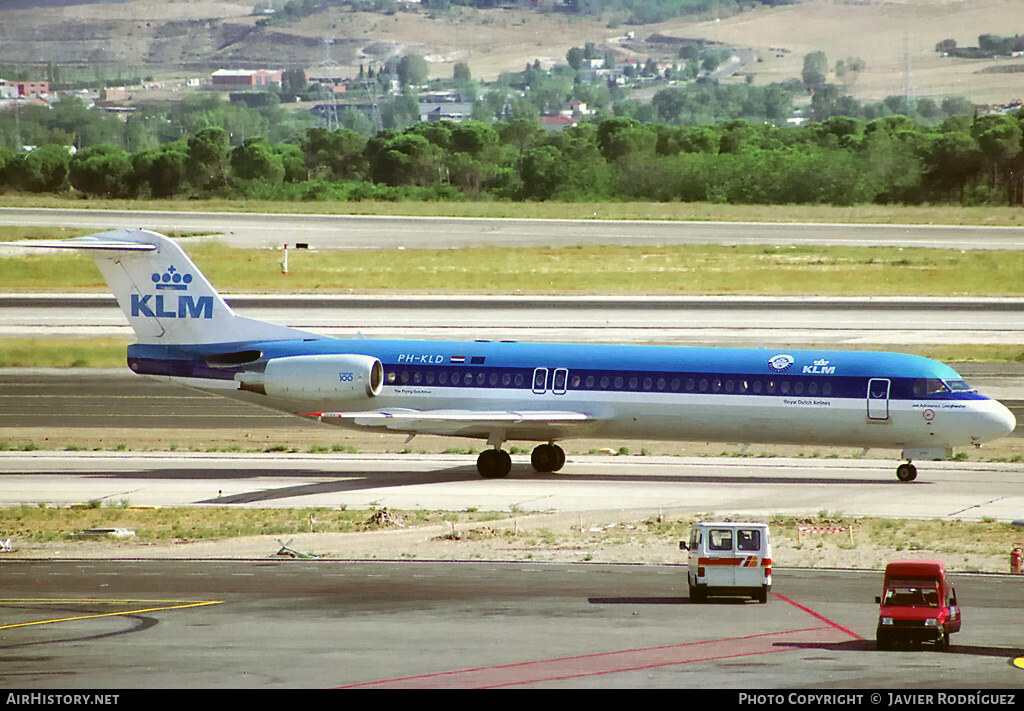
[[878, 399], [540, 380], [558, 382]]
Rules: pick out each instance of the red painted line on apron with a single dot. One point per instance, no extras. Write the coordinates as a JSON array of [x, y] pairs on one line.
[[824, 619], [574, 667]]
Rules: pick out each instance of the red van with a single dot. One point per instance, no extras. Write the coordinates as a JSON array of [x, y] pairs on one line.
[[917, 605]]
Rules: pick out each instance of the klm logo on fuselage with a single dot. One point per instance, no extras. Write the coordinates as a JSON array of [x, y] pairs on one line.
[[820, 367], [165, 306]]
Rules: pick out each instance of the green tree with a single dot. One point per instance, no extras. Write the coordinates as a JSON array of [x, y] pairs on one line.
[[106, 171], [574, 58], [543, 171], [255, 160], [412, 70], [44, 170], [815, 69], [160, 173], [403, 159], [208, 158], [334, 155]]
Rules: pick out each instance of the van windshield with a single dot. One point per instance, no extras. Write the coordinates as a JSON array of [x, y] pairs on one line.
[[907, 596]]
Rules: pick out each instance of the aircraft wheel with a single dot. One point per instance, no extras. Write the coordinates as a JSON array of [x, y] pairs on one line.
[[494, 464], [906, 472], [544, 458], [559, 458]]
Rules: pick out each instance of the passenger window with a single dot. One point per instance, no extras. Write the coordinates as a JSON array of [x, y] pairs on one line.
[[590, 381], [719, 539], [748, 540]]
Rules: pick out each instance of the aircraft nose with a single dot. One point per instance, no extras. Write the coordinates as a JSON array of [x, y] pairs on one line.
[[998, 421]]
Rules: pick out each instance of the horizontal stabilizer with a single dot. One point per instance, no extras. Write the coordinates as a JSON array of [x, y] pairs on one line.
[[91, 242]]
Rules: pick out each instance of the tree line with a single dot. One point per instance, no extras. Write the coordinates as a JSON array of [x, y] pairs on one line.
[[840, 161]]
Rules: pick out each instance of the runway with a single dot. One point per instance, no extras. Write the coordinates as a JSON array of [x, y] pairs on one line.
[[375, 232], [143, 625]]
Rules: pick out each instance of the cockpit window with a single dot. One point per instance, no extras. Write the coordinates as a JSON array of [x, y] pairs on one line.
[[958, 386], [929, 386]]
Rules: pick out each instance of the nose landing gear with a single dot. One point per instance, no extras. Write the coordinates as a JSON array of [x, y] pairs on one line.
[[906, 472]]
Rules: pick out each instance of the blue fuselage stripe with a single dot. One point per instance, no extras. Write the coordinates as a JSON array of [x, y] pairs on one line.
[[588, 368]]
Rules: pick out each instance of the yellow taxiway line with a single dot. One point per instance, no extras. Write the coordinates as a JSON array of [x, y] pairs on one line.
[[155, 606]]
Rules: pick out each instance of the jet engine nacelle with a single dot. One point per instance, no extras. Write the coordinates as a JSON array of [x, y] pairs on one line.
[[319, 377]]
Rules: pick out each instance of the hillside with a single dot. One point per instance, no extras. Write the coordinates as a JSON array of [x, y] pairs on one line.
[[187, 37]]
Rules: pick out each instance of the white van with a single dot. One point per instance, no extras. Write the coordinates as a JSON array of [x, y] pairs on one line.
[[729, 559]]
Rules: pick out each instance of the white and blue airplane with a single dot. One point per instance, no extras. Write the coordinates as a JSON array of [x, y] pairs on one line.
[[502, 391]]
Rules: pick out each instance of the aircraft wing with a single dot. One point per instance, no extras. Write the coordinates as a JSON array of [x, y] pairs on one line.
[[520, 424]]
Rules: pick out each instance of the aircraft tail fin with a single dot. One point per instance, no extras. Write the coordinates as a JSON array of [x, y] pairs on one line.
[[162, 293]]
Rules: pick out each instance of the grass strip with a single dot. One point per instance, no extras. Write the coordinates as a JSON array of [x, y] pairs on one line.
[[682, 269]]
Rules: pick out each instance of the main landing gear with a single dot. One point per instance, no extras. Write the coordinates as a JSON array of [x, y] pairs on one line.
[[496, 463]]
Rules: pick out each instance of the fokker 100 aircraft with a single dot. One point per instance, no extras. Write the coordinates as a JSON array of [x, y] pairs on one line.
[[533, 392]]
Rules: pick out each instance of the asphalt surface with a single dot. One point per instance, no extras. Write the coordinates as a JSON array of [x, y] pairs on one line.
[[361, 232], [318, 624]]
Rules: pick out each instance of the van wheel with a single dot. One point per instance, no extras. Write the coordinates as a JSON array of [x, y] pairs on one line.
[[882, 641], [762, 596], [942, 643], [697, 595]]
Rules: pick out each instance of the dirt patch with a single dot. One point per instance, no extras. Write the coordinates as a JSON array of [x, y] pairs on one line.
[[891, 36], [589, 537]]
